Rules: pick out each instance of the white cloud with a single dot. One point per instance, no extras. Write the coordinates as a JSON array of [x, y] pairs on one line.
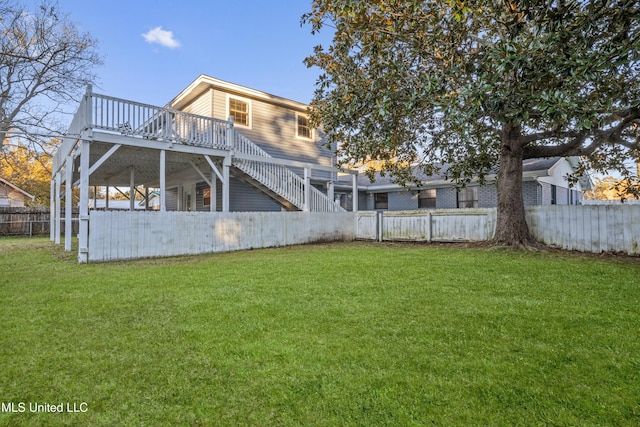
[[162, 37]]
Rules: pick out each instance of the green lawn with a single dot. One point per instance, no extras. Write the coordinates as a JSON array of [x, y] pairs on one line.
[[337, 334]]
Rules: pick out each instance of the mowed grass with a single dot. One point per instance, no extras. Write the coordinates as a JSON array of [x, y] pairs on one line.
[[332, 335]]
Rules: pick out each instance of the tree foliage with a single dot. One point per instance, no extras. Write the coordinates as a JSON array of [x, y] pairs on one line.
[[612, 188], [45, 63], [29, 171], [479, 85]]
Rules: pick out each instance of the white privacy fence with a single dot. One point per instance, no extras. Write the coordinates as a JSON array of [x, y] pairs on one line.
[[444, 225], [129, 234], [593, 228], [588, 228]]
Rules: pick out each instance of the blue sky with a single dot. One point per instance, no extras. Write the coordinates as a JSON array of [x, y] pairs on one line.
[[154, 49]]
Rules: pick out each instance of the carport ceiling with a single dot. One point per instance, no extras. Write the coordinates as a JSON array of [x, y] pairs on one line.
[[116, 171]]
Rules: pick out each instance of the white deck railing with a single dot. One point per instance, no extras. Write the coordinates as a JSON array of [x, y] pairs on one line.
[[161, 123], [134, 119]]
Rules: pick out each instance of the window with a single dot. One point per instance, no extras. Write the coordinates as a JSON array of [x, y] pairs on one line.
[[303, 127], [554, 195], [468, 197], [206, 197], [427, 199], [381, 200], [240, 111]]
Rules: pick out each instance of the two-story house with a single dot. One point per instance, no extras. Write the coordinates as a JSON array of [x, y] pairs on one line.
[[217, 147]]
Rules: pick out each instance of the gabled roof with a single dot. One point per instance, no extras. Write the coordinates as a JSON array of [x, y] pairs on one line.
[[204, 82], [15, 187]]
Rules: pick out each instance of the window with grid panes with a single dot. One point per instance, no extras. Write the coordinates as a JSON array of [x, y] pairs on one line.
[[239, 110], [304, 129]]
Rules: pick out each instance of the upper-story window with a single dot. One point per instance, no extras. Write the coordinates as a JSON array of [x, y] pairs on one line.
[[240, 110], [303, 127]]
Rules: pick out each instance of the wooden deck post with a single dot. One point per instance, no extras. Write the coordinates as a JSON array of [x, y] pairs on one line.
[[331, 191], [132, 189], [58, 207], [307, 190], [83, 236], [163, 185], [213, 193], [52, 209], [230, 133], [68, 202], [226, 164]]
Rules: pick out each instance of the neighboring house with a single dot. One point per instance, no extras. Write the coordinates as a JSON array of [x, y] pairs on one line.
[[544, 183], [11, 195]]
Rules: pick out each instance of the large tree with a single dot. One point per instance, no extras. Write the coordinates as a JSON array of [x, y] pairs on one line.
[[45, 63], [479, 85]]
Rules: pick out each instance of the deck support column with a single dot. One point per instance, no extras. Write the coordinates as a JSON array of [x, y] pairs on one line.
[[83, 236], [52, 209], [163, 185], [132, 190], [58, 213], [226, 164], [213, 193], [68, 203], [354, 180]]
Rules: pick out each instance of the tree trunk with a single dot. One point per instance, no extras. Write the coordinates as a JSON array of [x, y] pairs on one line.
[[511, 225]]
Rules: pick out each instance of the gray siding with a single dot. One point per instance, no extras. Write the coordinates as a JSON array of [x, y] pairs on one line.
[[273, 128], [487, 196], [403, 201], [201, 105], [243, 197], [531, 193], [446, 198], [172, 199]]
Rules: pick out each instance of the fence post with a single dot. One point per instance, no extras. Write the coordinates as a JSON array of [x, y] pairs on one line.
[[429, 226], [379, 225]]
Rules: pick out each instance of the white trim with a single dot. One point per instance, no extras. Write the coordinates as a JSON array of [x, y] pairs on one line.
[[313, 131], [249, 108], [203, 81]]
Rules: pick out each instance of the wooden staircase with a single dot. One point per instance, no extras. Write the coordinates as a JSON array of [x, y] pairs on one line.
[[276, 180]]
